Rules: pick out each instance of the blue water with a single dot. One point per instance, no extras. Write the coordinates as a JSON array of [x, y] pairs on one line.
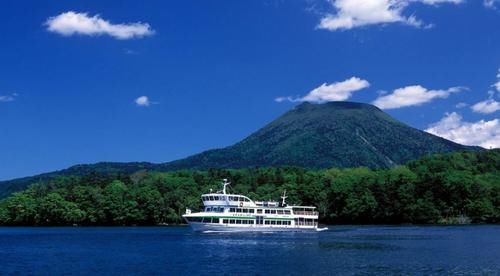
[[351, 250]]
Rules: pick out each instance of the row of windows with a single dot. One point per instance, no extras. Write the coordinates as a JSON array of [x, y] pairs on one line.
[[215, 209], [223, 198], [241, 210], [237, 221], [247, 211], [279, 212], [277, 222], [259, 211], [246, 221]]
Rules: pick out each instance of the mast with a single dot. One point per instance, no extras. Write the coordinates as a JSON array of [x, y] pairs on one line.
[[283, 197], [225, 183]]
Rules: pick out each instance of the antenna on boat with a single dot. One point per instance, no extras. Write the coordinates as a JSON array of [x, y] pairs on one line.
[[283, 197], [225, 183]]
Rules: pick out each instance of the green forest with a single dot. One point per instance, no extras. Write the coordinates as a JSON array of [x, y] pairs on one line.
[[451, 188]]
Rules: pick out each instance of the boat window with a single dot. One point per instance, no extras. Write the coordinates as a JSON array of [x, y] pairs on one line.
[[259, 211], [225, 221], [247, 200], [273, 222], [211, 198], [266, 222], [238, 210], [215, 220], [287, 212], [273, 211], [280, 212], [216, 197], [231, 221], [251, 211], [242, 199], [232, 210], [278, 222], [238, 221], [222, 197], [268, 211], [207, 209]]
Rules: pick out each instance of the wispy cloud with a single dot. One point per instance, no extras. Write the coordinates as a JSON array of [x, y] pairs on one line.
[[413, 95], [71, 23], [496, 85], [491, 4], [350, 14], [482, 133], [144, 101], [486, 107], [8, 98], [337, 91], [490, 105]]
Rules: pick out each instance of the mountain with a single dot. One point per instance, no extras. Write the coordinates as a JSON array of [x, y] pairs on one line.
[[335, 134]]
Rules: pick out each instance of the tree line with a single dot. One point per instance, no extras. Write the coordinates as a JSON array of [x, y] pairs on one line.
[[447, 188]]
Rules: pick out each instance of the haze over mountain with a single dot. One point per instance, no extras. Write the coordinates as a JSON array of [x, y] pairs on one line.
[[334, 134]]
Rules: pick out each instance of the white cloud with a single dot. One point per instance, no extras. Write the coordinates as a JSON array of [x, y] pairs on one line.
[[411, 96], [337, 91], [142, 101], [490, 105], [70, 23], [461, 105], [357, 13], [482, 133], [486, 107]]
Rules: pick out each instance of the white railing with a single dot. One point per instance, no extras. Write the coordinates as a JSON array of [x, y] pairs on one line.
[[306, 213]]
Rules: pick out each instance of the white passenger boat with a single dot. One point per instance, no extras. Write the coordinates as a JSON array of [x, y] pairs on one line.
[[232, 213]]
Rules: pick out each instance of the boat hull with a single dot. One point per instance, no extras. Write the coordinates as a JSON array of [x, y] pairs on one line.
[[211, 227]]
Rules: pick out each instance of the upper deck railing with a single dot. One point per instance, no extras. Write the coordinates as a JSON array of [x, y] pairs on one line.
[[306, 213]]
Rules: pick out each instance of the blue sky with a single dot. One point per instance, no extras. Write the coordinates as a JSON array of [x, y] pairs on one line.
[[89, 81]]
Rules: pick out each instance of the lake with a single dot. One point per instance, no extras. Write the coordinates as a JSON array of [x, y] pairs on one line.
[[358, 250]]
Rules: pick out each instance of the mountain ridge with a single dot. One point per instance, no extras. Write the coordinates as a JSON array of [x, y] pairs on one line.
[[314, 136]]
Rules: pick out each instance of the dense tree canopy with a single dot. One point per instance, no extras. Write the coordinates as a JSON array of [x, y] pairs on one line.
[[446, 188]]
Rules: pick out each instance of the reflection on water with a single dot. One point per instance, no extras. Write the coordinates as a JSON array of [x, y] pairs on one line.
[[350, 250]]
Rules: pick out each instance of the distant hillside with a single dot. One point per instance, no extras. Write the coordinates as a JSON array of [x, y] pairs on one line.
[[314, 136], [336, 134], [102, 168]]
